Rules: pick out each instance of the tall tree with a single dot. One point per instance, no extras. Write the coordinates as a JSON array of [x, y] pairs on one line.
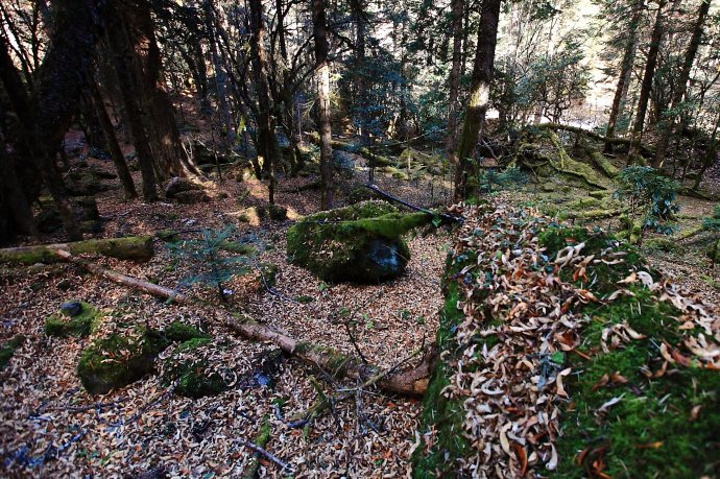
[[669, 122], [647, 83], [626, 68], [479, 99], [457, 32], [267, 144], [323, 90]]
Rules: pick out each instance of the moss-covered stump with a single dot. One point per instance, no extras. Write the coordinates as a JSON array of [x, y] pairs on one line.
[[189, 369], [66, 323], [7, 350], [564, 355], [118, 360], [361, 243]]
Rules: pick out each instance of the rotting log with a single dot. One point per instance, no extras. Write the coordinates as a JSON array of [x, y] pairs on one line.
[[603, 163], [136, 248], [412, 382], [114, 276]]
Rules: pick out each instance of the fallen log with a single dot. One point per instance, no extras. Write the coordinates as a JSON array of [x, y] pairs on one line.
[[114, 276], [408, 383], [137, 248], [595, 136]]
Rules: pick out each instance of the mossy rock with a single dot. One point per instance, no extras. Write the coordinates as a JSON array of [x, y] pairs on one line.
[[360, 243], [360, 194], [118, 360], [188, 369], [177, 331], [8, 349], [61, 326]]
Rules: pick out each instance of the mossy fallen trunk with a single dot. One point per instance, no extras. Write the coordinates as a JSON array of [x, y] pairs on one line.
[[563, 354], [361, 243], [136, 248]]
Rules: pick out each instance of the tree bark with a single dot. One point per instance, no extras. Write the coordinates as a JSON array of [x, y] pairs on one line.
[[323, 84], [479, 93], [12, 198], [111, 139], [267, 145], [457, 28], [130, 96], [668, 124], [220, 76], [625, 73], [647, 83]]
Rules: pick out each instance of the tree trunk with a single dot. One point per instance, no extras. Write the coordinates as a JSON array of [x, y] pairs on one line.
[[130, 95], [111, 139], [457, 28], [220, 77], [13, 202], [647, 83], [267, 145], [625, 73], [668, 124], [479, 93], [323, 85]]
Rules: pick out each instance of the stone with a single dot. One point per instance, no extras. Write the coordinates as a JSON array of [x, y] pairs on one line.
[[118, 360], [179, 185], [361, 243], [187, 368], [191, 197], [72, 308]]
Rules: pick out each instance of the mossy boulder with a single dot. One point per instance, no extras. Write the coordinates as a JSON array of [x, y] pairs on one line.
[[360, 243], [188, 369], [62, 324], [8, 349], [118, 360]]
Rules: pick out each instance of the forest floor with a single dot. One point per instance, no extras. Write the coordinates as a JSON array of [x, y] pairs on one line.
[[50, 426]]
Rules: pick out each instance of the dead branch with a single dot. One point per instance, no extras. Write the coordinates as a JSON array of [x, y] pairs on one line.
[[135, 283], [409, 383], [446, 217]]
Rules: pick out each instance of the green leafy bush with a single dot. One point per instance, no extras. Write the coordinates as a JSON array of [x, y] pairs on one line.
[[651, 197]]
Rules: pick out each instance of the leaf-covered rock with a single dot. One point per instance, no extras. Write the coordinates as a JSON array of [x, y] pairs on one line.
[[189, 368], [118, 360]]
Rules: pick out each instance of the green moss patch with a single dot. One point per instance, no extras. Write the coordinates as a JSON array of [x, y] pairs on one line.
[[8, 349], [180, 332], [189, 370], [118, 360], [361, 243], [60, 326]]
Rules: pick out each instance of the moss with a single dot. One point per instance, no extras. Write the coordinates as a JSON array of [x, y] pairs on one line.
[[189, 371], [180, 332], [8, 349], [86, 323], [116, 361], [446, 416], [649, 432], [304, 299], [664, 245], [359, 243], [584, 203]]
